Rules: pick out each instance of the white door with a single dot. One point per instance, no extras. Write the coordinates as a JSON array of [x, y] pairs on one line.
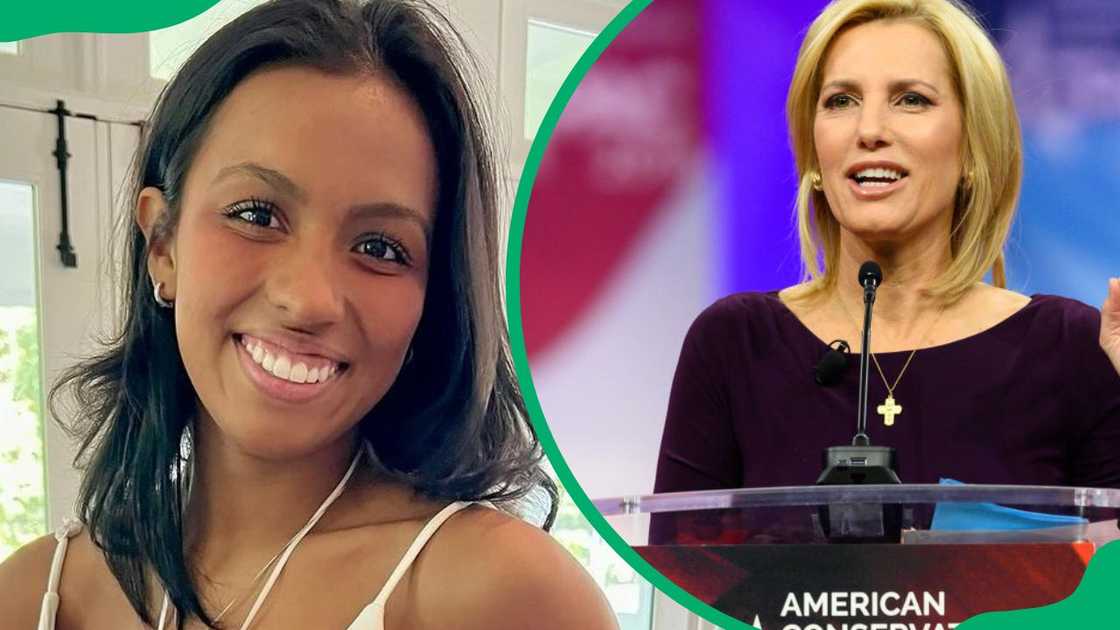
[[49, 313]]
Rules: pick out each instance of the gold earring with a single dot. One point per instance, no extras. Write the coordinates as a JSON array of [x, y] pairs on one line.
[[815, 180], [968, 179]]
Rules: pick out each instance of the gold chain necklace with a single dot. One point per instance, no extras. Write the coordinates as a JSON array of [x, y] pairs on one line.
[[252, 588], [890, 407]]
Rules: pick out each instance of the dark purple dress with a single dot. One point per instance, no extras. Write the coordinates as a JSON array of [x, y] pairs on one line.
[[1032, 400]]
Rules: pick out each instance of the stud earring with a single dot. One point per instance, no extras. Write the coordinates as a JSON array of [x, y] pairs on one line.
[[815, 180], [159, 299]]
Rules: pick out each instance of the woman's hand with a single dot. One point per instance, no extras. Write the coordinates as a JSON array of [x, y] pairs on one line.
[[1110, 323]]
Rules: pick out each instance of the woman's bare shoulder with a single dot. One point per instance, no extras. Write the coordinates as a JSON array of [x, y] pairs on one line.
[[519, 577], [85, 579], [23, 581]]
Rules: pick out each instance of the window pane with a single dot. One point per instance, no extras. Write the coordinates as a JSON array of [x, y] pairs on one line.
[[630, 596], [23, 514], [11, 48], [551, 53], [170, 47]]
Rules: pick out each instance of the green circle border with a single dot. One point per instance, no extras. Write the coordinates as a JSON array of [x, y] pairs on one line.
[[1080, 607], [517, 336]]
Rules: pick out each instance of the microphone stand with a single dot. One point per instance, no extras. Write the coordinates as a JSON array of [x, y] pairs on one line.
[[861, 438], [862, 463]]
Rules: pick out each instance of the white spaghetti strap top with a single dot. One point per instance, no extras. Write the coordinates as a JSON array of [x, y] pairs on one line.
[[372, 616], [49, 609]]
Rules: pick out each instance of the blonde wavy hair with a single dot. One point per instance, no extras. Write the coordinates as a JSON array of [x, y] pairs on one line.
[[991, 153]]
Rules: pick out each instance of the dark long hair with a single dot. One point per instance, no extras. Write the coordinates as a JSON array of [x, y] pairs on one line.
[[466, 435]]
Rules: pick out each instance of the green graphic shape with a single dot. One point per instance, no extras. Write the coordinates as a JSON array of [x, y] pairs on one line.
[[1104, 568], [31, 18], [517, 335], [1092, 605]]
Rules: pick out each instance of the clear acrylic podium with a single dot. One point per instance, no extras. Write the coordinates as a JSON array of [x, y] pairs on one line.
[[785, 557]]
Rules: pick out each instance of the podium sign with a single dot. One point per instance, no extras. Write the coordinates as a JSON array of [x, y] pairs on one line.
[[762, 555], [872, 587]]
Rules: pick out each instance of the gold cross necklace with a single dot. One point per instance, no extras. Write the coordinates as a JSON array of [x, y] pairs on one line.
[[890, 408]]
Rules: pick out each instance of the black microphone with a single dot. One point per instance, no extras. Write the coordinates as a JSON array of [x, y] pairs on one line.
[[830, 370], [870, 277], [861, 463]]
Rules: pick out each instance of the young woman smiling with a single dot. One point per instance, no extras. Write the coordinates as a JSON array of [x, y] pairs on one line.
[[309, 418]]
